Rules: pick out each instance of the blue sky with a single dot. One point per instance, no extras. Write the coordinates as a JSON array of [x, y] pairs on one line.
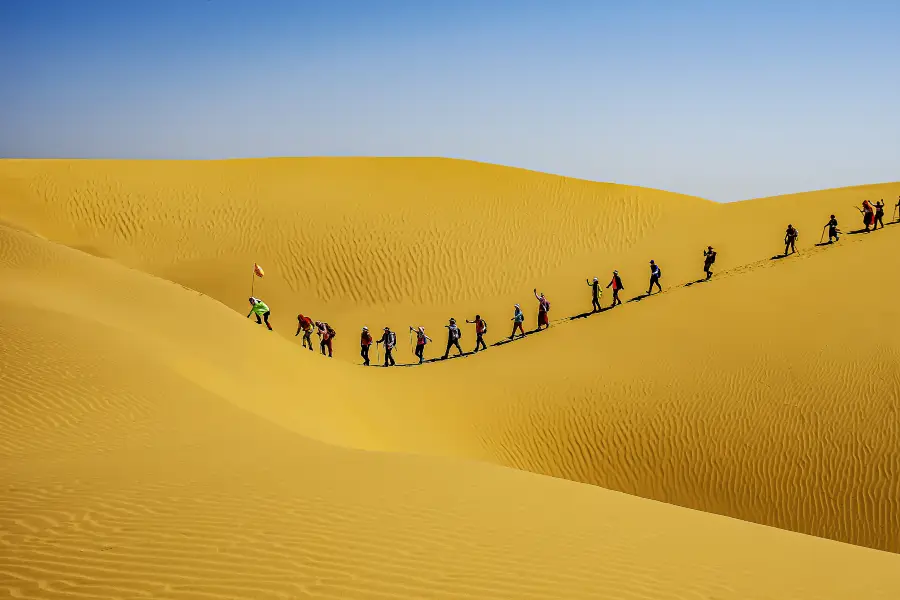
[[725, 100]]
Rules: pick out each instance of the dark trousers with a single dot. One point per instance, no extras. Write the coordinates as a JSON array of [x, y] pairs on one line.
[[479, 342], [616, 298], [420, 352], [364, 352], [789, 244], [879, 219], [388, 357], [266, 317], [832, 233], [707, 268], [654, 280], [325, 344], [450, 344], [595, 304]]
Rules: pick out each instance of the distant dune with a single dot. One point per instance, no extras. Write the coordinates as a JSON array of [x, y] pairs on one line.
[[157, 444]]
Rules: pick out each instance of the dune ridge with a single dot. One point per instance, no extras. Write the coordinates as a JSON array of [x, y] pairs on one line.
[[197, 498]]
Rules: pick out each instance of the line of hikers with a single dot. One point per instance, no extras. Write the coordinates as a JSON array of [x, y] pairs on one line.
[[873, 216]]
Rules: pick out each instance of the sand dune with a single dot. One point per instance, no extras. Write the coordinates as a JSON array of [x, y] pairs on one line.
[[159, 444], [125, 478]]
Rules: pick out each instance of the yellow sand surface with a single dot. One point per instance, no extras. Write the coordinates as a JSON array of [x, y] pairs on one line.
[[154, 443]]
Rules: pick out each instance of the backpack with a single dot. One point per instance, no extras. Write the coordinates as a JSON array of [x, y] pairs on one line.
[[484, 326], [393, 339], [546, 306], [331, 332], [458, 333], [658, 272]]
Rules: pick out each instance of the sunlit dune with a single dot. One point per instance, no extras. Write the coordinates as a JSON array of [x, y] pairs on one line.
[[156, 443]]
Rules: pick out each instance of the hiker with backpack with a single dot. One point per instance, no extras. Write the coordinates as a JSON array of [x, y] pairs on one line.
[[543, 319], [655, 274], [833, 233], [453, 335], [304, 324], [616, 284], [421, 340], [868, 213], [596, 292], [389, 339], [325, 333], [365, 342], [480, 330], [709, 258], [259, 308], [518, 319], [790, 238], [879, 214]]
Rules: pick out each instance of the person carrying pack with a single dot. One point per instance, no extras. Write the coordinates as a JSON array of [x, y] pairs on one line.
[[596, 292], [518, 319], [879, 214], [616, 284], [454, 333], [790, 239], [325, 333], [709, 258], [543, 319], [259, 308], [304, 324], [833, 232], [655, 274], [421, 340], [480, 330], [389, 339], [365, 342]]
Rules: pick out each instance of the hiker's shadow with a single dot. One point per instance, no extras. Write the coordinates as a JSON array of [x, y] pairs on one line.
[[780, 256], [858, 231], [588, 314], [701, 280], [639, 298], [505, 341]]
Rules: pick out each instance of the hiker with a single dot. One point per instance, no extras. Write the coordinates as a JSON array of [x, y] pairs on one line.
[[365, 342], [325, 333], [421, 340], [304, 324], [518, 319], [596, 292], [897, 209], [710, 255], [453, 335], [879, 214], [259, 307], [655, 274], [832, 230], [616, 284], [543, 319], [480, 330], [389, 339], [790, 237], [868, 213]]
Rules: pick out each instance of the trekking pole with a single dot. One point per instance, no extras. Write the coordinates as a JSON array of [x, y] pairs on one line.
[[378, 347], [822, 237]]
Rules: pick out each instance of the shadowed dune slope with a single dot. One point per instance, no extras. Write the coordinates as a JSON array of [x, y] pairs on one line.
[[129, 472]]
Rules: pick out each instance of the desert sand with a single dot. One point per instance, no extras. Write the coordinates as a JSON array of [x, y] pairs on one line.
[[740, 434]]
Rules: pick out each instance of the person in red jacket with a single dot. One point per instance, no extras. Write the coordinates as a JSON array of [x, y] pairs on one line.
[[305, 324], [480, 330], [365, 342], [616, 285]]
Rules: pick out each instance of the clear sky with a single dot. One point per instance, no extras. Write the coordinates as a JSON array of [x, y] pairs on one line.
[[723, 99]]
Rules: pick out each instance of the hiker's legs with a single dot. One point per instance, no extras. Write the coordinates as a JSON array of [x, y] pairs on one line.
[[879, 219], [322, 346], [595, 304], [307, 338], [266, 317], [364, 352], [653, 281], [388, 357], [458, 349], [328, 343], [420, 351], [479, 342], [447, 351], [258, 320]]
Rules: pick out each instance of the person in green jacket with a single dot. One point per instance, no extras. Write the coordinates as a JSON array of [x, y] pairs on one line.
[[259, 307]]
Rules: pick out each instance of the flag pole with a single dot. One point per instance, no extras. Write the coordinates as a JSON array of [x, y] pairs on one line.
[[252, 280]]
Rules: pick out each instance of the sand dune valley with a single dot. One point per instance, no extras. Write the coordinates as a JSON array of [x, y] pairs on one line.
[[737, 438]]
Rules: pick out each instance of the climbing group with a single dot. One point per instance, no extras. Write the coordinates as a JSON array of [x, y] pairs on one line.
[[873, 217]]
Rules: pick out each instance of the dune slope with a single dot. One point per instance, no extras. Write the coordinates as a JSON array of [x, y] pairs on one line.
[[767, 394], [127, 475]]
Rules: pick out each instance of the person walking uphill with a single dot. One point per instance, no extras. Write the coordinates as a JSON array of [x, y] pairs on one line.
[[260, 308], [543, 319], [655, 274], [453, 335], [389, 339], [616, 284], [421, 340], [833, 232], [868, 213], [365, 342], [595, 294], [708, 260], [305, 325], [879, 214], [480, 330], [518, 319], [790, 239], [326, 334]]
